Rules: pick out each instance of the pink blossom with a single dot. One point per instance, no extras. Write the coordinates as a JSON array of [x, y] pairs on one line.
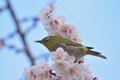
[[64, 66], [28, 75], [56, 26], [38, 72], [61, 55]]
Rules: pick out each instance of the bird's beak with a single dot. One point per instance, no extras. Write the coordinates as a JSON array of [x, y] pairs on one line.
[[38, 41]]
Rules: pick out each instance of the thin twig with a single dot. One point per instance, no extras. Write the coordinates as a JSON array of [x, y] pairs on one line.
[[3, 8], [34, 25], [13, 47], [10, 35], [30, 18]]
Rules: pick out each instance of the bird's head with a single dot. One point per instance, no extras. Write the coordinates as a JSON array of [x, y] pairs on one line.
[[47, 42], [44, 41]]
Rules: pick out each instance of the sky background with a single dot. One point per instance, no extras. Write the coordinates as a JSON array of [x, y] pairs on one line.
[[98, 23]]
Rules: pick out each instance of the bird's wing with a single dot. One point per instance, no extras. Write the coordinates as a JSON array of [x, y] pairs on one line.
[[69, 43], [59, 44], [73, 50], [72, 44], [63, 44]]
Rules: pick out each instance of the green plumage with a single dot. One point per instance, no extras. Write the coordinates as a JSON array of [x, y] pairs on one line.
[[75, 49]]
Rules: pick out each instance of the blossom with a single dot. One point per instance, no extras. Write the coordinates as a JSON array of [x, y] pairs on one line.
[[64, 66], [28, 74], [69, 32], [56, 26], [60, 54], [38, 72], [46, 15]]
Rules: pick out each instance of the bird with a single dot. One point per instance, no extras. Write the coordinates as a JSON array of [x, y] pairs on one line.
[[75, 49]]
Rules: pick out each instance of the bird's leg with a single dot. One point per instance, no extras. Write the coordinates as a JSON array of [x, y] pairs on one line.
[[52, 73], [75, 61]]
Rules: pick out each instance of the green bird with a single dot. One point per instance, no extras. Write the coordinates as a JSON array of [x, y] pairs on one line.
[[73, 48]]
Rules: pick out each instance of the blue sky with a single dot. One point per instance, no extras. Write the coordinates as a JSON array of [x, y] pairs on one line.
[[98, 23]]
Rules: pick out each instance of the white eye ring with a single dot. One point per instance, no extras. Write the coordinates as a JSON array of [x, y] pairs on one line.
[[46, 38]]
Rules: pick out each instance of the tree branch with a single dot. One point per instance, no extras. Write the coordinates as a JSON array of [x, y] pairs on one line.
[[29, 55]]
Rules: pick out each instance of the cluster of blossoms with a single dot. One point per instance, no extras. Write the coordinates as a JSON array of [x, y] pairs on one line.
[[63, 67], [56, 26]]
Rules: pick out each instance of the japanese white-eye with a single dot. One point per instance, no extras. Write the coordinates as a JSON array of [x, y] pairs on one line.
[[73, 48]]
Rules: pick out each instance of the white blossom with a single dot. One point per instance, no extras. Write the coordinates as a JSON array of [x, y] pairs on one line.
[[38, 72], [57, 26], [64, 66], [28, 74]]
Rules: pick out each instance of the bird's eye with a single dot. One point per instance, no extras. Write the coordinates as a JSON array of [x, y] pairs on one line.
[[46, 38]]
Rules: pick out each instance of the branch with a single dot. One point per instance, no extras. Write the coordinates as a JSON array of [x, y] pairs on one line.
[[29, 55], [10, 35], [34, 25], [13, 47], [3, 8], [31, 18]]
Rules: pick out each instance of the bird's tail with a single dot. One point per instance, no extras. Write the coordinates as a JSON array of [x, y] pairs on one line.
[[94, 53]]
